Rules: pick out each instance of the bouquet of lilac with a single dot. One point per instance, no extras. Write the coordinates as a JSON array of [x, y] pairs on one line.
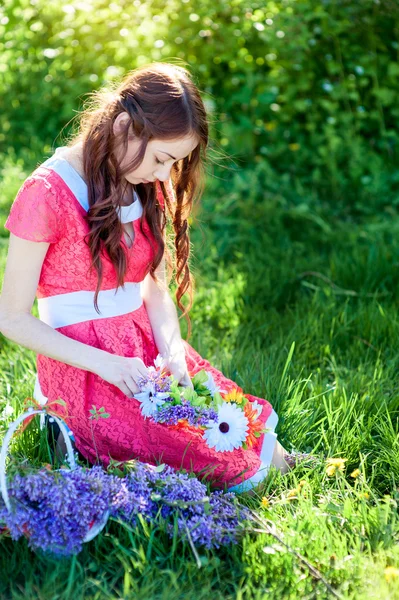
[[57, 511], [227, 420], [54, 509]]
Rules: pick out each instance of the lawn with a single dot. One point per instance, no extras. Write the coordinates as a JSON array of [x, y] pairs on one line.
[[297, 303]]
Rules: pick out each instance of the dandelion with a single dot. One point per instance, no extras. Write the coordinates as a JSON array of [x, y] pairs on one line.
[[293, 494], [333, 464], [391, 573], [366, 495], [265, 502], [355, 474]]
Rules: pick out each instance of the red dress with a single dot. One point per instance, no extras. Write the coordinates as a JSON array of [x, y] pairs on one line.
[[50, 207]]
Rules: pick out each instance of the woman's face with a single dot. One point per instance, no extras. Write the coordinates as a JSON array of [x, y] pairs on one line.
[[159, 156]]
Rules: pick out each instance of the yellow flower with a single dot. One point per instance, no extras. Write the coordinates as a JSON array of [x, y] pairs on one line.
[[391, 573], [294, 147], [355, 473], [234, 396], [302, 483], [265, 502], [335, 463], [366, 495], [294, 493]]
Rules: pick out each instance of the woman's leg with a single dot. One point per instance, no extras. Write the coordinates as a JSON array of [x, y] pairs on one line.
[[61, 449]]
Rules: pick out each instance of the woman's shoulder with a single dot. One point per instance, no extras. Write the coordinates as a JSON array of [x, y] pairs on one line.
[[37, 211]]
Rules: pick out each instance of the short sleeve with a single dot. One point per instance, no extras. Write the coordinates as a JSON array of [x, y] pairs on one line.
[[35, 214]]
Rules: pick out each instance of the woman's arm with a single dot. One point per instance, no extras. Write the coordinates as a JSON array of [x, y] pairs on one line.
[[23, 267], [165, 324], [162, 314]]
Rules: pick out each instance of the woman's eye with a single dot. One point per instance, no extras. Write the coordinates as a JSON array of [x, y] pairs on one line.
[[159, 162]]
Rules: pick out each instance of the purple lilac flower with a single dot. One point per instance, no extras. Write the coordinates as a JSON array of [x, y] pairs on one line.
[[56, 508], [195, 415], [161, 383]]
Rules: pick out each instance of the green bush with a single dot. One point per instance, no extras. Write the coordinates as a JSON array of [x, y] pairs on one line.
[[308, 87]]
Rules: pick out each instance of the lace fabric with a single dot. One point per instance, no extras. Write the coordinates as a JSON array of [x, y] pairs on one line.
[[45, 210]]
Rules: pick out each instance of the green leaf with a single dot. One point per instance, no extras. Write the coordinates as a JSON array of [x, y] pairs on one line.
[[200, 377], [198, 401], [217, 400], [189, 394], [176, 397], [160, 468], [202, 390]]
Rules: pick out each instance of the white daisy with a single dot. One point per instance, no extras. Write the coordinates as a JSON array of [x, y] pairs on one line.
[[256, 406], [229, 431], [150, 399], [159, 362], [211, 385]]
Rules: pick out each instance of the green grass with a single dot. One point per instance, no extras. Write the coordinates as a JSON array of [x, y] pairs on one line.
[[297, 303]]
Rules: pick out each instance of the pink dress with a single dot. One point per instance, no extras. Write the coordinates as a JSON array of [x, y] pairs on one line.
[[50, 207]]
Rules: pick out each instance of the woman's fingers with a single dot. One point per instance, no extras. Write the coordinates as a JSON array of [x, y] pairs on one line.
[[186, 381], [141, 369], [131, 385]]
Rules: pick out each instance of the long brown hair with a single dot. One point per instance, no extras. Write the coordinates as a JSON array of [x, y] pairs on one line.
[[163, 103]]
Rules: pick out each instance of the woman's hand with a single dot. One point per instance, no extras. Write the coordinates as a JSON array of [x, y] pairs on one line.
[[176, 363], [122, 372]]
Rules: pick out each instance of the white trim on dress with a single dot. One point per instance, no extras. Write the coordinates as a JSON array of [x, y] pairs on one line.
[[78, 187]]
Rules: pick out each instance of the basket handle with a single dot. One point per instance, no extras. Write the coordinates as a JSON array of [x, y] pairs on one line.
[[7, 438]]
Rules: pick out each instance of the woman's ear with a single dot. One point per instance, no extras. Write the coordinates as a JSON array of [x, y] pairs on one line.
[[120, 123]]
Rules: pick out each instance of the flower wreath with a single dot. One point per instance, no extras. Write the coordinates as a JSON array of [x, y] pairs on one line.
[[226, 419]]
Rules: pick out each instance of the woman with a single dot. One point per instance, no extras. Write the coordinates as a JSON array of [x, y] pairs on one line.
[[88, 237]]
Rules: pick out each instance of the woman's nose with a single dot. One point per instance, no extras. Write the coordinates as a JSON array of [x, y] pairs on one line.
[[163, 174]]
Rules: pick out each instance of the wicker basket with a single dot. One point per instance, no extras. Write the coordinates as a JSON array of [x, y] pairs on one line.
[[96, 526]]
